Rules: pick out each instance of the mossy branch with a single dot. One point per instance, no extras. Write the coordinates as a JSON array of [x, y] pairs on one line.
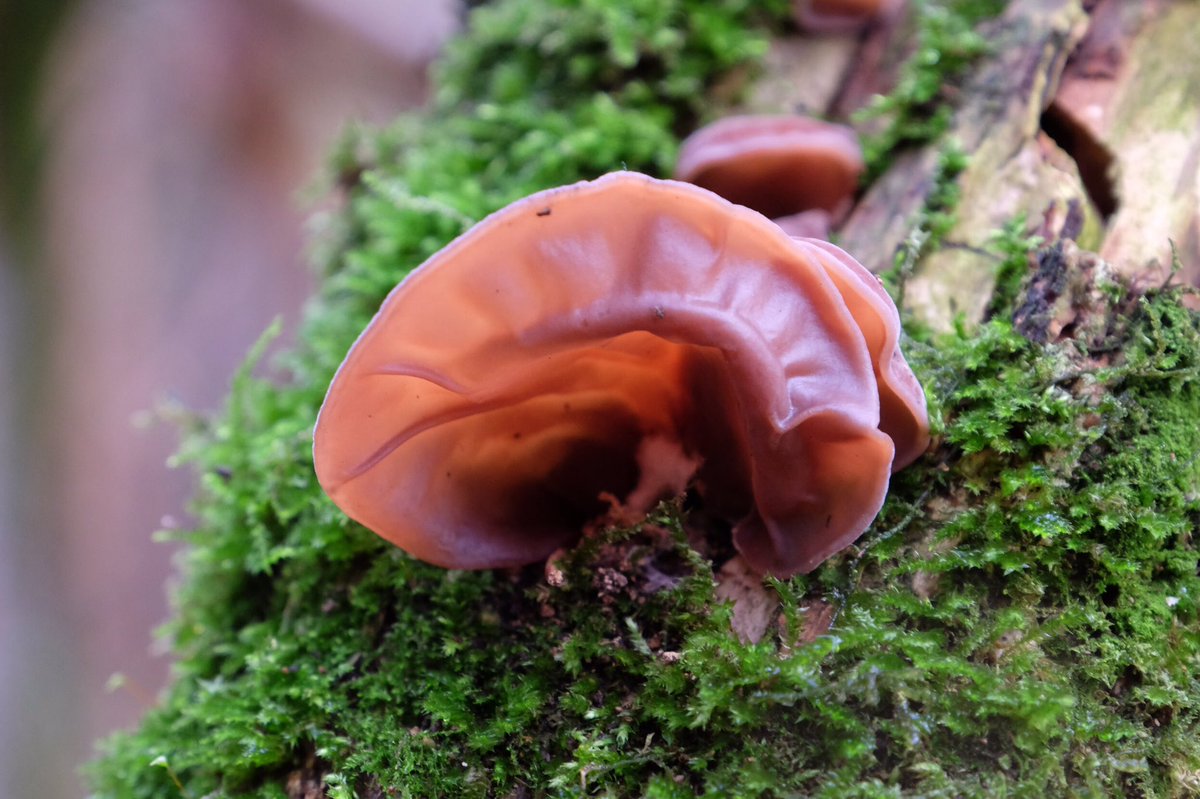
[[1023, 618]]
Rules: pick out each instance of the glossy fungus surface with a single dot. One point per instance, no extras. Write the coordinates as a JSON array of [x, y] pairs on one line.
[[777, 165], [902, 412], [619, 340]]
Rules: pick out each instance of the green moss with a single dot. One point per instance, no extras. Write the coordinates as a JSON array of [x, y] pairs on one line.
[[1015, 245], [918, 109], [1021, 619], [641, 52]]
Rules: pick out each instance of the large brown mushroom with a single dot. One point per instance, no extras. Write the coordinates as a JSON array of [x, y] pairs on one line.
[[781, 166], [621, 338]]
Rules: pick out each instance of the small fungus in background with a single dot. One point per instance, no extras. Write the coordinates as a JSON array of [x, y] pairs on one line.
[[622, 340], [839, 16], [800, 171]]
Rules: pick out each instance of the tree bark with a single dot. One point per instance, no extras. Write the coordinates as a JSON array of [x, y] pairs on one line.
[[1087, 112]]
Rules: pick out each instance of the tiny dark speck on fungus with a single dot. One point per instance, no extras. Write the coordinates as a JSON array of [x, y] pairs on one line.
[[769, 378]]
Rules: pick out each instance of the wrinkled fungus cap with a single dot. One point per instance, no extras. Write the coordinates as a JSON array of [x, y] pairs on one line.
[[835, 16], [777, 165], [902, 412], [625, 337]]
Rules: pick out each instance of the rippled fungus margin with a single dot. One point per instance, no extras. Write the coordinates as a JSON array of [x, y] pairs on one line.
[[624, 337]]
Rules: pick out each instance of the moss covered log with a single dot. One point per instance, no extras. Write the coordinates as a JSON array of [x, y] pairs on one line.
[[1023, 618]]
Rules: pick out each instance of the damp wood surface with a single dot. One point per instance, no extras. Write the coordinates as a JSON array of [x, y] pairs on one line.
[[1095, 109]]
